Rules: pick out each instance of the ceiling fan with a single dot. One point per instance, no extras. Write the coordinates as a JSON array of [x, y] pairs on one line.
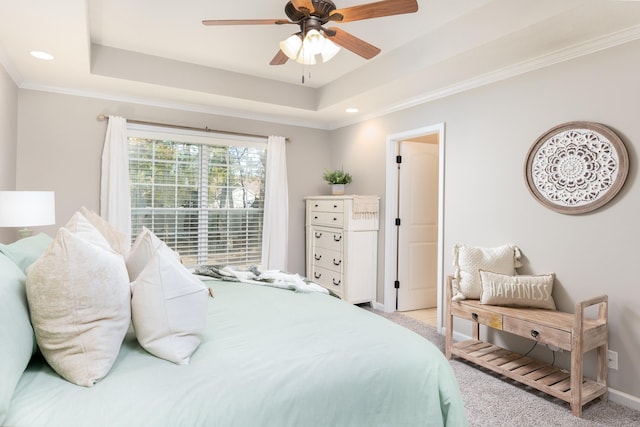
[[314, 39]]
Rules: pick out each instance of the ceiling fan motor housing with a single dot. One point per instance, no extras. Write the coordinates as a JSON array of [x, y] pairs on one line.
[[322, 9]]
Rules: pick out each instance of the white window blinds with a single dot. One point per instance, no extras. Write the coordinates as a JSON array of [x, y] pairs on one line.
[[202, 195]]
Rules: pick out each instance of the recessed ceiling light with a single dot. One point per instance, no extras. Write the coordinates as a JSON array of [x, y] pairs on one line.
[[351, 110], [41, 55]]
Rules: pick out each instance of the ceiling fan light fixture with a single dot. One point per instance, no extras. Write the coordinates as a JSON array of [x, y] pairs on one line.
[[304, 51]]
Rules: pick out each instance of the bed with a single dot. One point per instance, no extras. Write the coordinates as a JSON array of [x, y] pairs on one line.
[[269, 357]]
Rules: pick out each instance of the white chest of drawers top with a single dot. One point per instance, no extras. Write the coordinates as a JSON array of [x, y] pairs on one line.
[[342, 245], [338, 211]]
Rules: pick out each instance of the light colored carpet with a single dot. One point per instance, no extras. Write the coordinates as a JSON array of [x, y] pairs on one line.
[[492, 400]]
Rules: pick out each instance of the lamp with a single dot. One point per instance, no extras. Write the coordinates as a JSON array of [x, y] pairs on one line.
[[304, 50], [27, 209]]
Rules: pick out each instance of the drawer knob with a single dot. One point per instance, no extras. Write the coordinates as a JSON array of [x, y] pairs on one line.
[[315, 217], [317, 257], [318, 235], [337, 262], [474, 316], [337, 238], [316, 205], [335, 219], [534, 333], [317, 275], [335, 206], [337, 284]]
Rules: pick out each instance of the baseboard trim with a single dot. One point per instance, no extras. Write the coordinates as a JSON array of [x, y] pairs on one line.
[[616, 396], [624, 399], [377, 306]]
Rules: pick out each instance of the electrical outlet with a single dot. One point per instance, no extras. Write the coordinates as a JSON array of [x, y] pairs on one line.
[[612, 357]]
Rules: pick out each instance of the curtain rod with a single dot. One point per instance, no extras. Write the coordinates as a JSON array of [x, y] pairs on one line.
[[103, 117]]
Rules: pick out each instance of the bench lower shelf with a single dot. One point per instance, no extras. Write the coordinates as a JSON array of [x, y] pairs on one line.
[[539, 375]]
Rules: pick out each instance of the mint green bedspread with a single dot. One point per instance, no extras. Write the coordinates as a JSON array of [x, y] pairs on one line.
[[271, 357]]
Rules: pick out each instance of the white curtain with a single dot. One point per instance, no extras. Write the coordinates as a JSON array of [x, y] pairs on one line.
[[275, 232], [115, 197]]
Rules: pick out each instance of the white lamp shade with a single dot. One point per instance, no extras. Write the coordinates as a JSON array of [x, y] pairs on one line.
[[330, 50], [291, 46], [314, 42], [306, 57], [27, 208]]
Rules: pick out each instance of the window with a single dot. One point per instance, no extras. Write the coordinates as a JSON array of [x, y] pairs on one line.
[[202, 195]]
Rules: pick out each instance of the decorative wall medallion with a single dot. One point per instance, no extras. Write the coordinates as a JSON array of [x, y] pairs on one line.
[[576, 167]]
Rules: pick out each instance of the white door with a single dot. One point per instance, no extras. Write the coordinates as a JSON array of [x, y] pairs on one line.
[[418, 232]]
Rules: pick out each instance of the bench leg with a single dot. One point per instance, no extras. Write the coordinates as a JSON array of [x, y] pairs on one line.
[[603, 368], [576, 382]]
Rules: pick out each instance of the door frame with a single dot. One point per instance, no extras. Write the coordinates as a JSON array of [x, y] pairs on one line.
[[391, 200]]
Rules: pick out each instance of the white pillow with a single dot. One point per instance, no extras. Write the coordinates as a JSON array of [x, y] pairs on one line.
[[145, 245], [79, 300], [80, 225], [118, 241], [468, 260], [169, 308]]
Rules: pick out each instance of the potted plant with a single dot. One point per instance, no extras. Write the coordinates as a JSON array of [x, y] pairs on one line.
[[337, 179]]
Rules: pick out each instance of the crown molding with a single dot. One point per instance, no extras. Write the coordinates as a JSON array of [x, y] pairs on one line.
[[194, 108], [576, 51], [9, 68], [523, 67]]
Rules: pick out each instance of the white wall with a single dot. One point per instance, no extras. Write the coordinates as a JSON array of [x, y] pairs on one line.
[[8, 141], [60, 147], [489, 131]]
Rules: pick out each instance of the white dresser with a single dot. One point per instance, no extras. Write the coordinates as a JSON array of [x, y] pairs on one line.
[[342, 245]]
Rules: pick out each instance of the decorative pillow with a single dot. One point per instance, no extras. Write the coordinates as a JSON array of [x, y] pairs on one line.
[[117, 240], [468, 260], [145, 245], [169, 308], [16, 334], [79, 299], [25, 251], [520, 291]]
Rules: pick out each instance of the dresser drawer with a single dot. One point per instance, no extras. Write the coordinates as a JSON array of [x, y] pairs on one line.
[[477, 314], [331, 219], [327, 206], [326, 258], [537, 332], [331, 280], [327, 239]]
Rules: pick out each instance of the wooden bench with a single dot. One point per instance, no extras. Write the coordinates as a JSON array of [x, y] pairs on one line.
[[570, 332]]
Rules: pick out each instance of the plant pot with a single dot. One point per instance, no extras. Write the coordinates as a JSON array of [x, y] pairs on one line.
[[337, 189]]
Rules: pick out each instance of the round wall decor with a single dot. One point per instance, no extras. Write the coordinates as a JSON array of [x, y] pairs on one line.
[[576, 167]]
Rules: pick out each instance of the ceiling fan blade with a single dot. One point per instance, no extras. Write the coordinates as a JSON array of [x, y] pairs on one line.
[[246, 22], [353, 43], [279, 59], [375, 10], [301, 5]]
